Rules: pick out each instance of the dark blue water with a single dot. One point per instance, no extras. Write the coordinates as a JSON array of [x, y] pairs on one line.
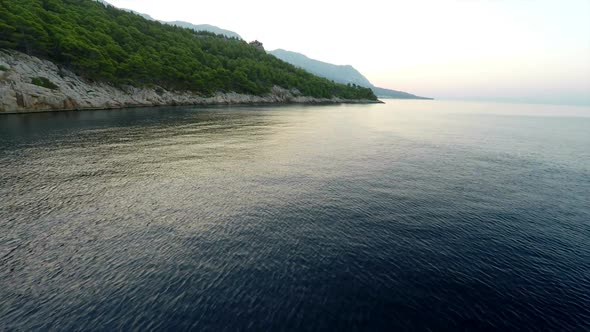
[[403, 216]]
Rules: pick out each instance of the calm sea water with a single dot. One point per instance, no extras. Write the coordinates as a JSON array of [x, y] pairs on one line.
[[411, 215]]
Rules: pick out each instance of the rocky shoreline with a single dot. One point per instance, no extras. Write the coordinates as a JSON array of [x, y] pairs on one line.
[[30, 84]]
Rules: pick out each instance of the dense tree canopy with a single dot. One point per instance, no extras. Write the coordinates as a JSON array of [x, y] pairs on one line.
[[108, 44]]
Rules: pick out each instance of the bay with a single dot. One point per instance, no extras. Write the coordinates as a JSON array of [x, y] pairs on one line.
[[409, 215]]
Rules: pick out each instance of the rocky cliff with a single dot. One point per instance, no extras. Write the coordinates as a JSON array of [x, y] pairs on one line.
[[30, 84]]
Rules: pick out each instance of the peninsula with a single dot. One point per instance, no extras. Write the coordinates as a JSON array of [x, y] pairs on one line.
[[58, 55]]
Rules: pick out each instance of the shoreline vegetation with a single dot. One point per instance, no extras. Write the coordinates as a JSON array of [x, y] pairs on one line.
[[59, 54]]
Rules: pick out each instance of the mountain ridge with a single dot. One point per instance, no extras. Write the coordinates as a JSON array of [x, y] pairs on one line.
[[344, 74], [110, 46], [183, 24], [205, 27]]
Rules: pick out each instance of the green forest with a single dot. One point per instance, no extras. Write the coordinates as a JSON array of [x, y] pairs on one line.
[[103, 43]]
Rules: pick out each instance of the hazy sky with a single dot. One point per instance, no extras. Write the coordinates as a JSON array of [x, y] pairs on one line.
[[526, 50]]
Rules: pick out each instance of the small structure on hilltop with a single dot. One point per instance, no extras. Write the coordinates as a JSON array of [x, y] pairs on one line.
[[258, 45]]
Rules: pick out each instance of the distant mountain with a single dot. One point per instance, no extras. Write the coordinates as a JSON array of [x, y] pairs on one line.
[[388, 93], [339, 74], [146, 16], [182, 24], [205, 27]]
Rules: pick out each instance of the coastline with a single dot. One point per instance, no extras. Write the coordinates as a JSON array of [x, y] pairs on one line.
[[230, 104], [30, 85], [319, 103]]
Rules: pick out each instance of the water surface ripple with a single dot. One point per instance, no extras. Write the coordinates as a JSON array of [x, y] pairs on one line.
[[403, 216]]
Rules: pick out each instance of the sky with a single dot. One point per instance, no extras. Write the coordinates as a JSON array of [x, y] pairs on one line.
[[507, 50]]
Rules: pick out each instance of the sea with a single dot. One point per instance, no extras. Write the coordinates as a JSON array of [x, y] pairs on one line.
[[402, 216]]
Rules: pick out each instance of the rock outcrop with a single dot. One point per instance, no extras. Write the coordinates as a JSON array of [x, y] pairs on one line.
[[259, 46], [30, 84]]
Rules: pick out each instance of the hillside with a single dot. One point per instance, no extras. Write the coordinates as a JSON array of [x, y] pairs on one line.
[[106, 44], [338, 73]]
